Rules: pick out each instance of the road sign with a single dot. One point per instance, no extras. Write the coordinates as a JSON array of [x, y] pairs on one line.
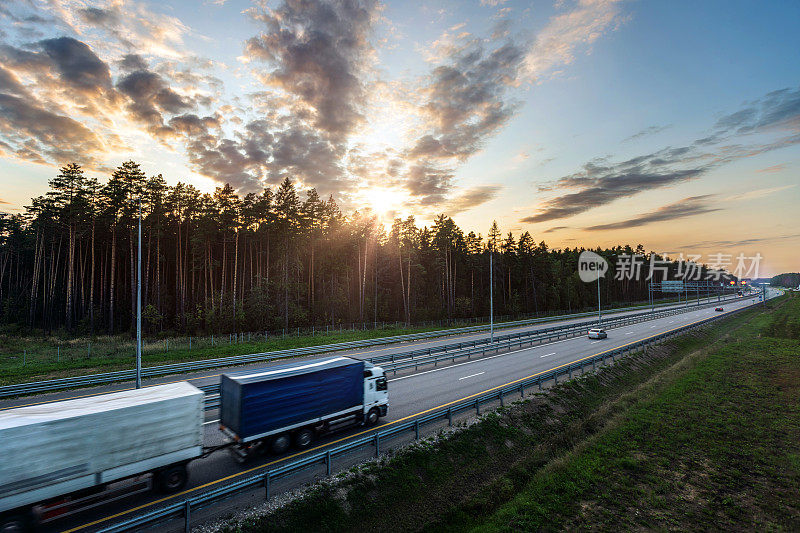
[[672, 286]]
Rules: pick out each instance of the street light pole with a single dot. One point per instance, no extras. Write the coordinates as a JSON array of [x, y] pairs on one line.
[[599, 316], [139, 305], [491, 297]]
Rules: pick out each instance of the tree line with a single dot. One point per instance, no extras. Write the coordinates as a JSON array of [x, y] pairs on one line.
[[221, 262]]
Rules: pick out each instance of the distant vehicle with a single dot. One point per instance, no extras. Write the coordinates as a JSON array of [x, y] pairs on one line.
[[271, 409], [598, 333], [63, 457], [719, 309]]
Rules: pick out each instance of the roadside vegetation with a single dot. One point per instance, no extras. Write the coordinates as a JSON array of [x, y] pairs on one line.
[[34, 357], [702, 432]]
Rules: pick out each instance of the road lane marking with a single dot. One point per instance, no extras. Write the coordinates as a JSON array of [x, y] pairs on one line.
[[238, 474], [547, 354], [471, 376], [210, 422], [92, 394], [631, 333], [595, 342]]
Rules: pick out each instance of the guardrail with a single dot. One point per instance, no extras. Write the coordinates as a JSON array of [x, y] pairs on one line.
[[451, 352], [185, 508], [19, 389]]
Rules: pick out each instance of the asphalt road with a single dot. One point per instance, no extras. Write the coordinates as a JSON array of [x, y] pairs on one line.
[[211, 376], [409, 395]]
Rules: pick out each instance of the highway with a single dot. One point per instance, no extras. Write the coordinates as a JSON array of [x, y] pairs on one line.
[[211, 376], [410, 394]]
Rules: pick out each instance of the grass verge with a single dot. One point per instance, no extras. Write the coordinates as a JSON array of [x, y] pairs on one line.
[[31, 358], [699, 433]]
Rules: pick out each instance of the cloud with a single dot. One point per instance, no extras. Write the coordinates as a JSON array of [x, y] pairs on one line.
[[651, 130], [466, 96], [565, 34], [758, 193], [10, 83], [600, 182], [777, 109], [472, 197], [35, 133], [742, 242], [77, 64], [149, 96], [599, 185], [317, 52], [774, 168], [688, 207], [555, 228]]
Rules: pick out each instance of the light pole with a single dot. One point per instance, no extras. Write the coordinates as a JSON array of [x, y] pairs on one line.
[[599, 316], [491, 297], [139, 305]]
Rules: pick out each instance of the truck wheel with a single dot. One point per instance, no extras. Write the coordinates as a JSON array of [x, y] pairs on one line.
[[15, 523], [304, 438], [172, 479], [372, 417], [280, 444]]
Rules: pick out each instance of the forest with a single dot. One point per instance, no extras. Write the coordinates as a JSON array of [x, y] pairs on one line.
[[221, 262]]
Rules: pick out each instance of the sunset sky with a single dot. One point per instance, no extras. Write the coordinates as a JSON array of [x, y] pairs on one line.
[[598, 122]]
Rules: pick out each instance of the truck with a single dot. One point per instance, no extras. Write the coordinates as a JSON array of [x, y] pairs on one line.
[[277, 407], [59, 458]]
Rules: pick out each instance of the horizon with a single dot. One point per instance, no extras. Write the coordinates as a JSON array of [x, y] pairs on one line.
[[538, 115]]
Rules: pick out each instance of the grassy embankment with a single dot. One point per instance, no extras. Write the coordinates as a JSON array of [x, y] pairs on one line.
[[34, 357], [700, 433]]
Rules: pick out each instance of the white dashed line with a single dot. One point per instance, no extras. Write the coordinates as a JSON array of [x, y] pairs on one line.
[[471, 376], [548, 354]]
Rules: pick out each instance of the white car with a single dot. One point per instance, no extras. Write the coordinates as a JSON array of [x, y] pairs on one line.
[[597, 333]]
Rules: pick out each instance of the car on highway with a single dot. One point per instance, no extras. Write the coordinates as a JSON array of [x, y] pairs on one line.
[[718, 309], [598, 333]]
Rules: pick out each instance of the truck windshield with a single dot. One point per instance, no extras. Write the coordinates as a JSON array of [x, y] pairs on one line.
[[381, 384]]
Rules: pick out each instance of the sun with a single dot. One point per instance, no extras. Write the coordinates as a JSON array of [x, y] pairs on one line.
[[384, 202]]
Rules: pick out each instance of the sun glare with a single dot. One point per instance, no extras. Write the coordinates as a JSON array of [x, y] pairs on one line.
[[383, 202]]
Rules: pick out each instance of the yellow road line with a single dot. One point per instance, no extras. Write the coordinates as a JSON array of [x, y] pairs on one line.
[[238, 474]]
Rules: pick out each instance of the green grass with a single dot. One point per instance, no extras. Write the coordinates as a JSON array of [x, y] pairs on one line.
[[115, 353], [35, 357], [700, 433]]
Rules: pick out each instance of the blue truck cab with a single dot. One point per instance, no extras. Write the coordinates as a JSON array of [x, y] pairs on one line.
[[272, 408]]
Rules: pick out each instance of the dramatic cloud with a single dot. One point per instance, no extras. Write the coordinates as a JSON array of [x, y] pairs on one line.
[[77, 64], [317, 52], [600, 183], [149, 96], [467, 95], [35, 133], [688, 207]]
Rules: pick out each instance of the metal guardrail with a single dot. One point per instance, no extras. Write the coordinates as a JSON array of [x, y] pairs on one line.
[[451, 352], [185, 508], [19, 389]]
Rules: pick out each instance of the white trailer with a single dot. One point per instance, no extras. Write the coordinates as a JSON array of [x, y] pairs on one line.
[[58, 458]]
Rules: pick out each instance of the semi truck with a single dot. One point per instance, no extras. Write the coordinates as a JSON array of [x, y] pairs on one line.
[[63, 457], [271, 409]]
